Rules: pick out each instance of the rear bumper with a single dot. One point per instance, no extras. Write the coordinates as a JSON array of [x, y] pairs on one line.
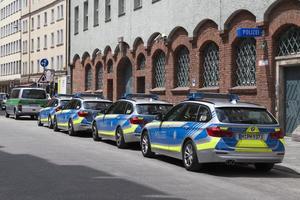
[[29, 110], [83, 127], [132, 137], [215, 156]]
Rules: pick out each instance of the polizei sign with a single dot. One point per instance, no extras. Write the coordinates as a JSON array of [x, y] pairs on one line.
[[249, 32]]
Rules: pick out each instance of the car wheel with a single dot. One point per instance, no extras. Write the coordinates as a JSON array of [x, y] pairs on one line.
[[71, 131], [264, 167], [95, 133], [55, 126], [189, 157], [32, 117], [39, 122], [120, 139], [6, 115], [145, 146], [50, 123]]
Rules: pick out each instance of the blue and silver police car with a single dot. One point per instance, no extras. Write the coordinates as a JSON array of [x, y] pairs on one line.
[[216, 128], [124, 120], [78, 114], [46, 114]]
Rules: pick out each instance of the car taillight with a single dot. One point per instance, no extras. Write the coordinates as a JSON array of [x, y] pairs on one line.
[[278, 134], [82, 113], [137, 120], [19, 107], [219, 132]]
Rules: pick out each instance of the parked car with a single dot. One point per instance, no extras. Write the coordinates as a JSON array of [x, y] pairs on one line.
[[25, 102], [78, 114], [216, 128], [46, 114], [124, 120], [3, 99]]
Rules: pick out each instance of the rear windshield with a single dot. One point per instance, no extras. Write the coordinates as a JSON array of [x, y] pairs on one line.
[[64, 102], [153, 109], [96, 105], [245, 116], [33, 94]]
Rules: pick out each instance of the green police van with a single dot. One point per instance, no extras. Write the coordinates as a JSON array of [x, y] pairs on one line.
[[25, 102]]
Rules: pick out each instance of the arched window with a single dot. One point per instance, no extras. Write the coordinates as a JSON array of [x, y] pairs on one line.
[[88, 78], [289, 42], [141, 62], [110, 68], [182, 67], [99, 76], [159, 71], [246, 62], [211, 65]]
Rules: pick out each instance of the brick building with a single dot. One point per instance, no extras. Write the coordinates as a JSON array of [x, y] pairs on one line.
[[170, 49]]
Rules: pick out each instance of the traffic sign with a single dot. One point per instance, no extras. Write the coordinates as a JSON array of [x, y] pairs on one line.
[[44, 62], [43, 79], [249, 32]]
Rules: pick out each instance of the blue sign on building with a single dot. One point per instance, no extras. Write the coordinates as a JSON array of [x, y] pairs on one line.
[[44, 62], [249, 32]]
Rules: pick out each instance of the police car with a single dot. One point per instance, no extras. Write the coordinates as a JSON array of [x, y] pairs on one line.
[[124, 120], [46, 114], [78, 114], [216, 128]]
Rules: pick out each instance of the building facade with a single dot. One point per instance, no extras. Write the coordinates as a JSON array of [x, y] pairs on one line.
[[10, 44], [172, 48], [44, 36]]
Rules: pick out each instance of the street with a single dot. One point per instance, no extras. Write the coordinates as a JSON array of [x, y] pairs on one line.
[[37, 163]]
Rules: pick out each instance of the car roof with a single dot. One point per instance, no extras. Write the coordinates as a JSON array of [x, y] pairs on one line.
[[226, 103], [93, 99], [145, 101], [28, 88]]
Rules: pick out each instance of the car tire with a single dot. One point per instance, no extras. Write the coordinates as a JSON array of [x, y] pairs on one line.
[[264, 167], [120, 139], [189, 157], [71, 131], [6, 115], [145, 146], [39, 122], [55, 126], [32, 117], [95, 132], [50, 123]]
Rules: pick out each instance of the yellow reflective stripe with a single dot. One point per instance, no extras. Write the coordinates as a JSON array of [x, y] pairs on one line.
[[208, 145], [253, 150], [129, 130], [251, 144], [109, 133], [167, 148], [44, 119], [78, 121], [282, 141], [63, 124]]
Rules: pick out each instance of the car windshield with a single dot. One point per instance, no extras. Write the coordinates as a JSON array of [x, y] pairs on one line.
[[34, 94], [64, 102], [153, 109], [238, 115], [95, 105]]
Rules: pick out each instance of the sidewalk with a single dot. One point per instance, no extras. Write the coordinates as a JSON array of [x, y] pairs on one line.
[[291, 161]]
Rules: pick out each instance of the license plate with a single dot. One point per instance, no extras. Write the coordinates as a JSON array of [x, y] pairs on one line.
[[251, 137]]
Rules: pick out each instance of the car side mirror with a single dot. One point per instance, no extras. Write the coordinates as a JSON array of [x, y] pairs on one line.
[[159, 117]]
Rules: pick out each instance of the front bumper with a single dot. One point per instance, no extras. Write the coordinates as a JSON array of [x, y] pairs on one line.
[[215, 156]]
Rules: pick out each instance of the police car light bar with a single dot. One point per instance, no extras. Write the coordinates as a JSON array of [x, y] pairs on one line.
[[86, 95], [202, 95], [140, 96]]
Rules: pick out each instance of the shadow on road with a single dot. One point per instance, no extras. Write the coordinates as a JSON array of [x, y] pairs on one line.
[[130, 146], [239, 170], [29, 177]]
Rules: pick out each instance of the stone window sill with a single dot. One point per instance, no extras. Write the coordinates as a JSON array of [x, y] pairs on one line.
[[209, 89], [243, 90], [181, 90], [158, 90]]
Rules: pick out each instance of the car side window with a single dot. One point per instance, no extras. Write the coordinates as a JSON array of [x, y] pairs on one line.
[[120, 108], [55, 103], [70, 105], [129, 109], [77, 105], [112, 108], [15, 94], [204, 114], [174, 113], [190, 113]]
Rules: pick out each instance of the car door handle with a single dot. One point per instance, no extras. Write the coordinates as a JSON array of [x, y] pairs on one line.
[[186, 127]]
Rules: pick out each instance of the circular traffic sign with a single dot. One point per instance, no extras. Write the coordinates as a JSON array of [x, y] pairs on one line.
[[44, 62]]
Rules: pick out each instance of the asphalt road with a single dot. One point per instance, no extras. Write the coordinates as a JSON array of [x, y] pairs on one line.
[[36, 163]]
